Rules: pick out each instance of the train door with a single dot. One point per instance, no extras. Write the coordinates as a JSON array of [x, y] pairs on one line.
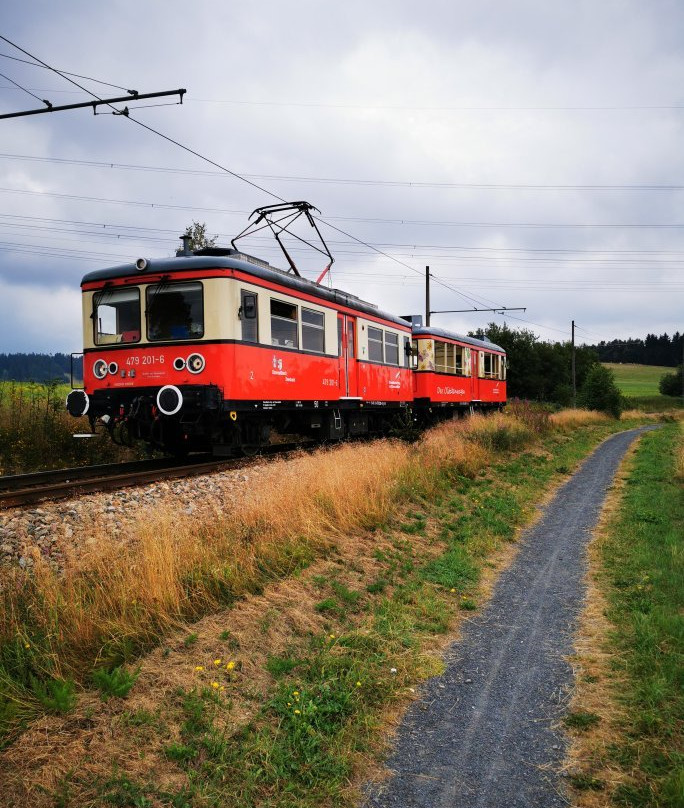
[[475, 371], [346, 338]]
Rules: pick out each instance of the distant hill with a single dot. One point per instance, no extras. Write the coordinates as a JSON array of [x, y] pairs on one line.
[[35, 367]]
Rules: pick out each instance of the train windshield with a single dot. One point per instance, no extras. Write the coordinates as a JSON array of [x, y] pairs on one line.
[[116, 316], [175, 311]]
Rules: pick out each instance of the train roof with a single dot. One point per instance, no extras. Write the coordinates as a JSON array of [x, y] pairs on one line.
[[428, 331], [219, 258]]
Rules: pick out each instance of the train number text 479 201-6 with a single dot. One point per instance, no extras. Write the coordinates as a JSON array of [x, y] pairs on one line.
[[150, 359]]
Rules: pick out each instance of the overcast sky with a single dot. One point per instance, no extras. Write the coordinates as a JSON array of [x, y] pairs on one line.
[[529, 152]]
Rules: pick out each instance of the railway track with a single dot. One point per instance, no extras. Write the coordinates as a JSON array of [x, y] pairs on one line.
[[26, 489]]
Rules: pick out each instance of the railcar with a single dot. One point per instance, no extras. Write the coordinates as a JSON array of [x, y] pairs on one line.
[[456, 373], [213, 351]]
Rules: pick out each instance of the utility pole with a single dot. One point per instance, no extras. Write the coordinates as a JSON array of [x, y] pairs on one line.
[[427, 296], [574, 380]]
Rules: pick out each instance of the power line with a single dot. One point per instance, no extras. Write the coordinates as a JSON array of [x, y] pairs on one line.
[[63, 73], [371, 220], [218, 165], [16, 84], [338, 180]]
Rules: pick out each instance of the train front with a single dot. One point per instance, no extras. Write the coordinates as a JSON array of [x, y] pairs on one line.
[[145, 367]]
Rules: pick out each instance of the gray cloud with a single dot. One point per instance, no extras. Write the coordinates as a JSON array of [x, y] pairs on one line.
[[526, 93]]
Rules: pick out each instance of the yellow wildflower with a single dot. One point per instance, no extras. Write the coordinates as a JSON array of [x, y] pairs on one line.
[[358, 684], [215, 684], [199, 667], [217, 662], [298, 712], [230, 666], [295, 692]]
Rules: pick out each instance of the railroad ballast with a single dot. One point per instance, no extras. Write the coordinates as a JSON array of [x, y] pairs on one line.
[[215, 350]]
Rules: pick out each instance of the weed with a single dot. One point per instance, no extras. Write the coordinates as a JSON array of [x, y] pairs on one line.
[[117, 682], [581, 720], [279, 666], [585, 782], [190, 640], [55, 695], [327, 605]]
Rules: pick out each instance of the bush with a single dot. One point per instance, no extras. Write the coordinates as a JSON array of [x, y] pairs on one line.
[[671, 383], [599, 392]]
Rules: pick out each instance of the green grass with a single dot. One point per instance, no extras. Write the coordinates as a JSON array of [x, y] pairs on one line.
[[638, 380], [643, 576], [36, 432]]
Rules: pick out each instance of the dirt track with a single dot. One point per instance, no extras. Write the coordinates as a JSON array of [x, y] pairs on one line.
[[485, 735]]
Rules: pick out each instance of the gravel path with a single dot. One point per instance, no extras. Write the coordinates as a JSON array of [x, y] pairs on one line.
[[483, 735]]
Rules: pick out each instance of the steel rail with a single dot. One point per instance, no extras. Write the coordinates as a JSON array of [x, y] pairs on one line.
[[27, 489]]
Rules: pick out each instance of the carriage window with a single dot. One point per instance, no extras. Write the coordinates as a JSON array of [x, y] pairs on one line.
[[284, 324], [249, 316], [375, 353], [116, 316], [458, 356], [313, 331], [391, 348], [175, 311], [491, 370]]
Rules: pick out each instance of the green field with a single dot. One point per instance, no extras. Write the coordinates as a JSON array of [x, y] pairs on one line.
[[638, 380]]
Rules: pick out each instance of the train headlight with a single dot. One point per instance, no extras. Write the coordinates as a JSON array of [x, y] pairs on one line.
[[77, 403], [196, 363], [179, 363], [113, 368], [100, 369], [169, 399]]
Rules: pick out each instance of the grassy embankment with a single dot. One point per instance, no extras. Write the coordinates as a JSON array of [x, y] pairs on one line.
[[639, 385], [36, 431], [325, 592], [628, 713]]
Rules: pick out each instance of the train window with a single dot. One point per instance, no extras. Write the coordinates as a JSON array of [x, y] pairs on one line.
[[116, 316], [249, 316], [491, 370], [175, 311], [391, 348], [458, 360], [375, 353], [284, 324], [350, 339], [313, 331]]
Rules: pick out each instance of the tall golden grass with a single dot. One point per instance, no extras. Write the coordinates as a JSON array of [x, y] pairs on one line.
[[566, 420]]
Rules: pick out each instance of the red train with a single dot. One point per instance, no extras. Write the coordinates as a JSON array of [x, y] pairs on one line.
[[215, 350]]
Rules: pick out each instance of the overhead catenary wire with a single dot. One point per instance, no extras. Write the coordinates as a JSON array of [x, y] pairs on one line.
[[221, 167], [249, 176]]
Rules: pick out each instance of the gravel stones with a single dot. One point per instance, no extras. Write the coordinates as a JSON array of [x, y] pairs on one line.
[[64, 528]]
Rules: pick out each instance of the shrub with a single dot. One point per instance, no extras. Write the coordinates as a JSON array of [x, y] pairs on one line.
[[116, 682], [671, 383], [600, 392]]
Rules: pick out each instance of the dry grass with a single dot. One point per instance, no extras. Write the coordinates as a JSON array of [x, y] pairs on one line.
[[566, 420], [119, 598]]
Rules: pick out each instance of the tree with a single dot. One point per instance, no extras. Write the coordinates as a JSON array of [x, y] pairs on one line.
[[671, 383], [198, 236], [599, 392]]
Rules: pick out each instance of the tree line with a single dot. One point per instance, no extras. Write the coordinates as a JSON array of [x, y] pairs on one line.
[[652, 350], [35, 367]]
